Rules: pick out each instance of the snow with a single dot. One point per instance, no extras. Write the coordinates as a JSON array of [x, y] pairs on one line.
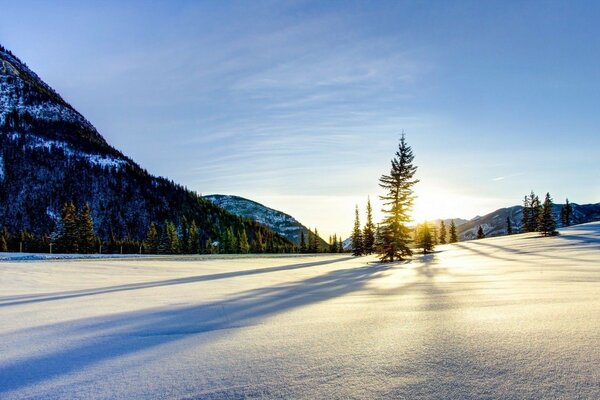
[[510, 317]]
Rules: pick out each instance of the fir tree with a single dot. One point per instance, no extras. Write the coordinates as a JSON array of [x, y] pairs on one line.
[[68, 240], [509, 229], [442, 234], [357, 238], [566, 213], [243, 245], [424, 238], [453, 235], [151, 242], [480, 234], [398, 202], [302, 242], [315, 244], [259, 245], [193, 239], [3, 244], [369, 231], [184, 235], [526, 220], [85, 227], [546, 222], [536, 212]]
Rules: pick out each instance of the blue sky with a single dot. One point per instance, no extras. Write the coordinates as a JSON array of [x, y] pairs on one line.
[[299, 104]]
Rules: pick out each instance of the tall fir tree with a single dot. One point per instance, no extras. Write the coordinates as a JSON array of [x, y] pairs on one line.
[[303, 247], [566, 213], [243, 245], [68, 238], [398, 201], [452, 230], [442, 234], [151, 242], [480, 233], [357, 237], [88, 240], [369, 231], [546, 222], [424, 238], [315, 244], [185, 231], [509, 229], [526, 220], [193, 239]]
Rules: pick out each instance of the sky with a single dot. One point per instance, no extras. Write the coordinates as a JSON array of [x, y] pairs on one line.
[[299, 104]]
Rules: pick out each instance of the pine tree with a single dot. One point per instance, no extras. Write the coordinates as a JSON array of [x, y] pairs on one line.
[[453, 235], [398, 202], [315, 244], [333, 246], [357, 238], [259, 245], [193, 239], [442, 234], [85, 227], [302, 242], [509, 229], [369, 231], [340, 245], [480, 234], [536, 212], [526, 221], [566, 213], [68, 240], [243, 245], [424, 238], [3, 244], [151, 242], [546, 222], [184, 235]]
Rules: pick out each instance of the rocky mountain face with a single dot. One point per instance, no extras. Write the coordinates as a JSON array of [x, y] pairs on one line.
[[278, 221], [50, 154]]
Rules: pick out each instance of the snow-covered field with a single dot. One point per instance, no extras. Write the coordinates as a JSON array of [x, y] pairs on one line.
[[513, 318]]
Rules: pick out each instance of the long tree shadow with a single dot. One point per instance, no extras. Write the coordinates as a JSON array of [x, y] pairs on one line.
[[93, 340], [35, 298]]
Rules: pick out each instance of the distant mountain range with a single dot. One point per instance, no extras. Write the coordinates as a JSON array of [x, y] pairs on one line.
[[494, 223], [278, 221], [50, 154]]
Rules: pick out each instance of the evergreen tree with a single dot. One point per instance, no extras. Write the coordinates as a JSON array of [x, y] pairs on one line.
[[509, 229], [546, 222], [193, 239], [536, 212], [424, 238], [442, 234], [259, 245], [315, 244], [151, 242], [68, 239], [85, 227], [357, 238], [243, 245], [526, 221], [3, 244], [303, 248], [398, 202], [4, 239], [369, 231], [185, 238], [566, 213], [169, 240], [480, 234], [453, 235], [333, 247]]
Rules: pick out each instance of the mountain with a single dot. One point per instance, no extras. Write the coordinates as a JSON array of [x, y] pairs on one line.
[[494, 223], [278, 221], [50, 154]]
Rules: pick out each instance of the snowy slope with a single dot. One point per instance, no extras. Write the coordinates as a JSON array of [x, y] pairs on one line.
[[278, 221], [510, 317]]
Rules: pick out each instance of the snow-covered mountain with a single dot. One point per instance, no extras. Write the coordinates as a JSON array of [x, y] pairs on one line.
[[494, 223], [51, 154], [278, 221]]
